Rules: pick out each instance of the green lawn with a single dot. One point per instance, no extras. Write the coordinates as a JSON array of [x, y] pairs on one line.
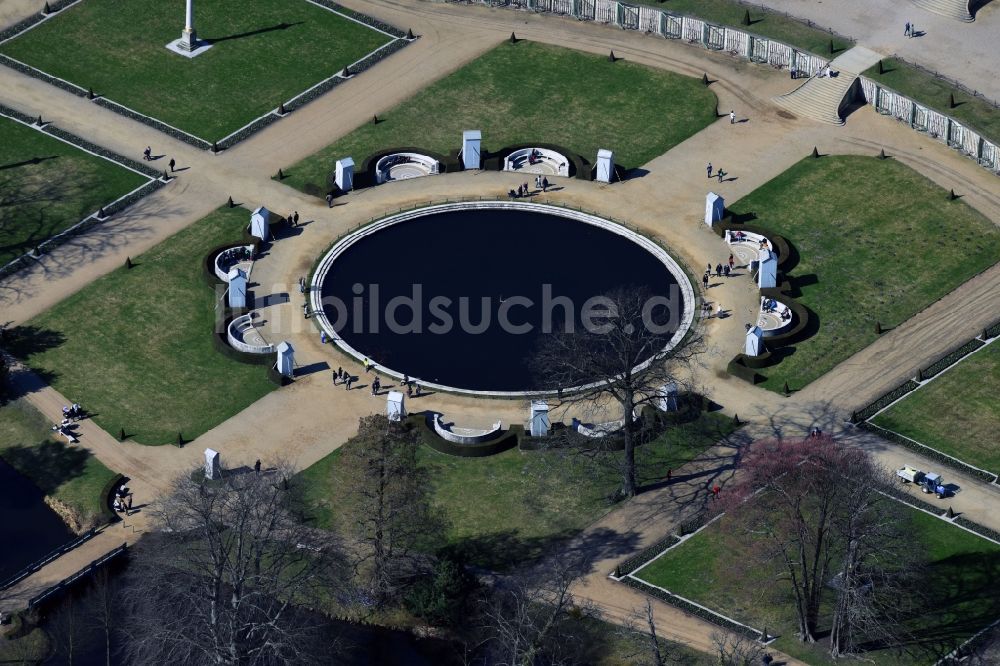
[[534, 92], [957, 413], [862, 262], [135, 346], [47, 186], [265, 52], [509, 507], [764, 23], [963, 581], [66, 473], [935, 93]]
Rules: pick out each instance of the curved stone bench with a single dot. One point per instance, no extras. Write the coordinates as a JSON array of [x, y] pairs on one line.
[[230, 257], [240, 328], [550, 163], [771, 323], [747, 248], [466, 435], [401, 166], [599, 430]]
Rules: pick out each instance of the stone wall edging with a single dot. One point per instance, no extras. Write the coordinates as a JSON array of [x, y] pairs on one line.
[[319, 275]]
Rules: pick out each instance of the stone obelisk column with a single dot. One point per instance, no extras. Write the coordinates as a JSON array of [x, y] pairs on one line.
[[189, 39]]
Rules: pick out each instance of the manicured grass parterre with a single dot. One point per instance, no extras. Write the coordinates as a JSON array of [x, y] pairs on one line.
[[876, 242], [529, 92], [936, 94], [763, 22], [68, 474], [47, 186], [958, 413], [264, 53], [963, 579], [507, 508], [135, 346]]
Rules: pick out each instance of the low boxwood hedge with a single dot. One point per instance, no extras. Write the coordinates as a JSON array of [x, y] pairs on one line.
[[937, 366], [42, 76], [928, 452], [100, 150], [977, 528], [631, 564], [992, 331], [693, 609], [364, 18], [106, 511], [907, 498], [882, 401], [158, 125], [248, 131]]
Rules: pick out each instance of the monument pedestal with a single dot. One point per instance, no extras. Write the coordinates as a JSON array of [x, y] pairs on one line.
[[188, 45]]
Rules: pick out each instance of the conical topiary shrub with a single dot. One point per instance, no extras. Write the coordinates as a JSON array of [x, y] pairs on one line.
[[409, 34], [704, 78], [281, 174], [787, 391], [881, 67], [815, 152], [746, 17], [513, 38], [951, 100], [121, 435], [230, 203], [878, 328], [180, 441], [128, 263], [611, 56], [881, 153]]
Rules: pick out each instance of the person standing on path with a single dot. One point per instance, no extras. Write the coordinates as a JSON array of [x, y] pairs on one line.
[[669, 474], [348, 381], [715, 491], [726, 270], [256, 467], [732, 117], [545, 183], [718, 270], [906, 30], [172, 165], [367, 364], [295, 218], [732, 261], [704, 280], [720, 173], [147, 154], [709, 169], [329, 200], [128, 505]]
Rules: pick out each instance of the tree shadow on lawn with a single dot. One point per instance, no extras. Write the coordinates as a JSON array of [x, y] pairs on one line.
[[48, 465], [506, 550], [963, 597]]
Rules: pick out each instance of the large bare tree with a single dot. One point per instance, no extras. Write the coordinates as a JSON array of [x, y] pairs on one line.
[[814, 511], [220, 579], [533, 617], [389, 495], [621, 356]]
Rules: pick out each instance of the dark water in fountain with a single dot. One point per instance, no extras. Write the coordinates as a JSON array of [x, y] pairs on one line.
[[477, 256], [29, 529]]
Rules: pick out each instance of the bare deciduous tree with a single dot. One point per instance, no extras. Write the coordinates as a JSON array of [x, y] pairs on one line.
[[813, 510], [534, 618], [623, 359], [219, 581], [642, 621], [736, 649], [389, 494]]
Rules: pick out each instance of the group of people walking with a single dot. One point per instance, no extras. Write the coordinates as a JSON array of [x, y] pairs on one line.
[[341, 376], [123, 501], [721, 270]]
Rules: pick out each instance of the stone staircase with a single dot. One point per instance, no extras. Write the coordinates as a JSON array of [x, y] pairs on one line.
[[820, 98], [955, 9]]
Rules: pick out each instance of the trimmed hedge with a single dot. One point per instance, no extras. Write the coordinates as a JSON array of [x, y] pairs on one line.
[[103, 152], [631, 564], [691, 608], [132, 197], [882, 401], [907, 498], [928, 452], [493, 161], [106, 510], [248, 131], [978, 529], [505, 441], [152, 122], [948, 359], [302, 99], [364, 18], [39, 74], [738, 368], [993, 331], [22, 25], [377, 55]]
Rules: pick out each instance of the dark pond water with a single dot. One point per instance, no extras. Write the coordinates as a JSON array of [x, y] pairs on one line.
[[477, 270], [29, 529]]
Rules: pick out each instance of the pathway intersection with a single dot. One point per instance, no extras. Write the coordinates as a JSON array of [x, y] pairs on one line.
[[666, 203]]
